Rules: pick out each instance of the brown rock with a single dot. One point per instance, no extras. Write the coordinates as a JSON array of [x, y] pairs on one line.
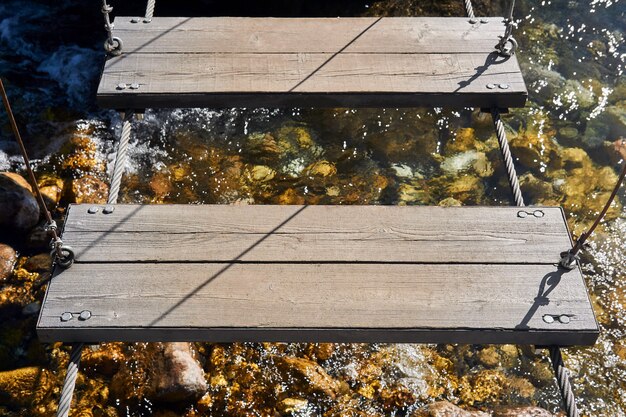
[[8, 257], [25, 387], [105, 359], [522, 412], [446, 409], [18, 207], [51, 188], [620, 147], [89, 190], [180, 377], [309, 376], [38, 263], [167, 372]]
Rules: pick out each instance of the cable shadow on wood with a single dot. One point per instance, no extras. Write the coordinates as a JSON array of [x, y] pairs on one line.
[[493, 58], [226, 267], [548, 283]]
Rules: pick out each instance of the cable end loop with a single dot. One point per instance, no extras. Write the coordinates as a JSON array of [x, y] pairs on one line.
[[568, 260], [62, 254]]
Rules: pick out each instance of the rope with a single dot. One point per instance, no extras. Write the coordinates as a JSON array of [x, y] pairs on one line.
[[62, 254], [120, 158], [469, 9], [113, 45], [70, 381], [149, 11], [569, 258], [561, 373], [562, 378], [508, 159]]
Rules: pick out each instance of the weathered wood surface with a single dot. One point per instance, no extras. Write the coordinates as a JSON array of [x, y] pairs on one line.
[[219, 233], [303, 273], [317, 302], [356, 62]]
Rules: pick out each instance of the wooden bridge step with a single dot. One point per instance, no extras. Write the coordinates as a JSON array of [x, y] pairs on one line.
[[323, 62], [318, 273]]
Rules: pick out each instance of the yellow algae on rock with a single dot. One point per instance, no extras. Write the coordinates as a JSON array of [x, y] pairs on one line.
[[261, 173], [485, 386], [27, 387], [321, 168]]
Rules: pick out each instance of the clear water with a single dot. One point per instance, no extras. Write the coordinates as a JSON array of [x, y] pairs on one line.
[[573, 56]]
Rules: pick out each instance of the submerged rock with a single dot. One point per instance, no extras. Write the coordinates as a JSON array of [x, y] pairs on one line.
[[8, 257], [446, 409], [89, 190], [18, 207], [310, 377], [522, 412], [27, 387]]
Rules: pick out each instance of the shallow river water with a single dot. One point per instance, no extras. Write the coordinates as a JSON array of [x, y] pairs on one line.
[[573, 55]]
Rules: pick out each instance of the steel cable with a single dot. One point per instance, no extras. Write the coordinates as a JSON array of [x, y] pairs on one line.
[[149, 11], [508, 159], [70, 381], [120, 158], [469, 9]]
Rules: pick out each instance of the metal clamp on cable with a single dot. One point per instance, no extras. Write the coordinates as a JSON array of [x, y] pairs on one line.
[[62, 254], [568, 259], [508, 45], [113, 45]]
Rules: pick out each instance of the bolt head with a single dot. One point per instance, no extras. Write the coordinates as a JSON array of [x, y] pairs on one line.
[[503, 86], [84, 315], [472, 21], [134, 86], [522, 214], [108, 209], [491, 86], [484, 20], [135, 20], [564, 319], [548, 318], [92, 210], [66, 316], [538, 213], [121, 86]]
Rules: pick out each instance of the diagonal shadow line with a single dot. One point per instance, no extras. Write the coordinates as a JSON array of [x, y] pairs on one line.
[[552, 279], [225, 268], [139, 48], [316, 70], [492, 59]]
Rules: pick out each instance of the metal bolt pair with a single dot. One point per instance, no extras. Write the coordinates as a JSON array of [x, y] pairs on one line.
[[123, 86], [105, 210], [83, 315], [500, 86], [537, 213], [139, 19], [474, 20], [548, 318]]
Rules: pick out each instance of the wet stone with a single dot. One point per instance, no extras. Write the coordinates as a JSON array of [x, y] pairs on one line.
[[446, 409], [18, 207], [8, 257], [89, 190], [522, 412]]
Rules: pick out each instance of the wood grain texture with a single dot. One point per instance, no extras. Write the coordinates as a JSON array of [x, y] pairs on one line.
[[218, 233], [354, 62], [318, 302], [317, 273], [312, 35]]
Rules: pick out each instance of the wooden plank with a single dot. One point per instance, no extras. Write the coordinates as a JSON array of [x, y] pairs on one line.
[[311, 35], [353, 62], [318, 302], [310, 80], [219, 233]]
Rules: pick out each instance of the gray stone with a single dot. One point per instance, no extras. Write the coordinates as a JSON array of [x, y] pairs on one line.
[[522, 412], [31, 309], [19, 211]]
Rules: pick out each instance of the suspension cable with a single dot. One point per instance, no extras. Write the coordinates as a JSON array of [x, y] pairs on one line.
[[561, 373], [113, 45], [508, 44], [469, 9], [149, 11], [569, 258], [70, 381], [508, 159], [120, 158], [61, 253]]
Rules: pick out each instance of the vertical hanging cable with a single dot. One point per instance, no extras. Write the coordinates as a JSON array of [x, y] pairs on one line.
[[508, 159], [120, 158], [70, 381], [149, 11], [561, 373], [469, 9]]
